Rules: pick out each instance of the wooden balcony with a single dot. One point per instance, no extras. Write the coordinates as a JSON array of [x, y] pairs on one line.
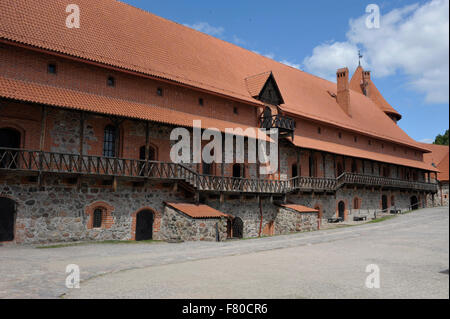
[[87, 165], [286, 125], [385, 182]]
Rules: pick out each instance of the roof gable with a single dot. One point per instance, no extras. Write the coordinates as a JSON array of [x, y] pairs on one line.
[[263, 87]]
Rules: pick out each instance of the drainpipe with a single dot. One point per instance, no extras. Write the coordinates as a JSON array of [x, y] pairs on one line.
[[261, 215]]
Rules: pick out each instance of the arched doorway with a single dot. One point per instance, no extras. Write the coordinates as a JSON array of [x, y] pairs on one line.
[[9, 138], [384, 203], [341, 210], [144, 225], [414, 203], [7, 216], [237, 227]]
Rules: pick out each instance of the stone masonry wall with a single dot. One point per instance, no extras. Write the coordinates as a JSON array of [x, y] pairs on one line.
[[177, 226]]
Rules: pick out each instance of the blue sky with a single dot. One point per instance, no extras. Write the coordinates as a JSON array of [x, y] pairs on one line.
[[408, 55]]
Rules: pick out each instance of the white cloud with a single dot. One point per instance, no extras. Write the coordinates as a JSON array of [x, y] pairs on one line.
[[413, 40], [327, 58], [205, 27], [427, 140]]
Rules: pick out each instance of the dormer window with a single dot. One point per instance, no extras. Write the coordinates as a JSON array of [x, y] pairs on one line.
[[263, 87]]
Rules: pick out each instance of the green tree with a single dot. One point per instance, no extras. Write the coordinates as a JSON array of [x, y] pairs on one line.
[[442, 139]]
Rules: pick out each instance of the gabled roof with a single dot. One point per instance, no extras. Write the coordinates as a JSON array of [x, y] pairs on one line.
[[121, 36], [438, 158], [356, 84], [300, 208], [263, 87], [197, 211], [256, 83]]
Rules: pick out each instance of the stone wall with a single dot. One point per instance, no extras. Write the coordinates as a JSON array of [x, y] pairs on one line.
[[290, 221], [178, 226], [57, 212]]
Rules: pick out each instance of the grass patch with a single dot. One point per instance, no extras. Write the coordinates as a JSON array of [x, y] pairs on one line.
[[382, 219], [108, 242]]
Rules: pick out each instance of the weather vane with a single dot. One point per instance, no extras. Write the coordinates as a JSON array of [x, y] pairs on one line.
[[360, 57]]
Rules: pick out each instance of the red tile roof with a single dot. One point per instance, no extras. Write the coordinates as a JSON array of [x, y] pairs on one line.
[[256, 83], [300, 208], [119, 35], [72, 99], [197, 211], [321, 145], [439, 158], [375, 95]]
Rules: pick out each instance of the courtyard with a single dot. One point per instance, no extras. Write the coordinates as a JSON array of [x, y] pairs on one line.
[[410, 251]]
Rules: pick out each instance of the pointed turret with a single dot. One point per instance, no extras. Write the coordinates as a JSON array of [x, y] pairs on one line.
[[362, 83]]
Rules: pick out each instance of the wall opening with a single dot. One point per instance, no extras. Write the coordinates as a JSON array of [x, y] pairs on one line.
[[237, 228], [384, 203], [341, 210], [7, 219], [9, 138], [144, 225], [414, 203]]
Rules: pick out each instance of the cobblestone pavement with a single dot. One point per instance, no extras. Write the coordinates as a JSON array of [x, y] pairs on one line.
[[411, 250]]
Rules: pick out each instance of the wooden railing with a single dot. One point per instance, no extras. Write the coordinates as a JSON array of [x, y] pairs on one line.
[[277, 121], [53, 162], [359, 179]]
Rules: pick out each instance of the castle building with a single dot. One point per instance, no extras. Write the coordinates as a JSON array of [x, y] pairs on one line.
[[86, 116]]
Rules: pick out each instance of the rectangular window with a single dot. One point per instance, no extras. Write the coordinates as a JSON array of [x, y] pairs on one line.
[[51, 68]]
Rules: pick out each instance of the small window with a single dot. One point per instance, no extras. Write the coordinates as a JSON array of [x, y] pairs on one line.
[[340, 135], [382, 146], [319, 130], [109, 141], [369, 142], [111, 81], [51, 68], [355, 139], [159, 92], [97, 222], [200, 102], [235, 110]]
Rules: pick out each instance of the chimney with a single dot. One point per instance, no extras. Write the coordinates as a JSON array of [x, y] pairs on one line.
[[343, 90], [366, 83]]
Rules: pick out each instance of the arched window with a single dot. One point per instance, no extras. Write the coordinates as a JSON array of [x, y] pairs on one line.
[[356, 203], [97, 218], [109, 141]]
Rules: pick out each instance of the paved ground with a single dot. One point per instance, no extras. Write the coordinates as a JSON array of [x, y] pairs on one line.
[[410, 251]]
